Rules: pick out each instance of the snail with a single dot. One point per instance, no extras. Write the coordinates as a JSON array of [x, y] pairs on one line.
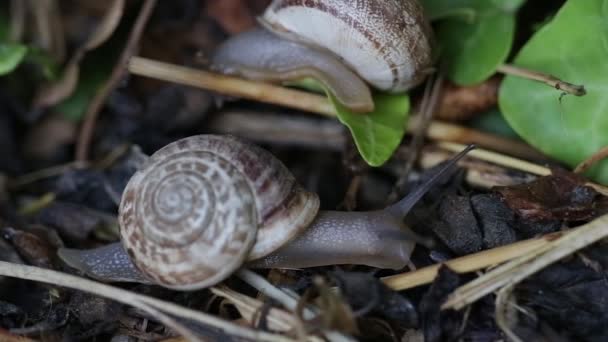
[[344, 44], [201, 207]]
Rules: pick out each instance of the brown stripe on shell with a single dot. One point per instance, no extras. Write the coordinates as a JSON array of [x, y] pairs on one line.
[[234, 171], [397, 29], [350, 21]]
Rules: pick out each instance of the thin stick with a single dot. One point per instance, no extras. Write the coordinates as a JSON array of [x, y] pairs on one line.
[[443, 131], [550, 80], [467, 263], [501, 312], [130, 298], [499, 159], [514, 163], [90, 117], [264, 286], [232, 86], [595, 158], [45, 173], [521, 268], [428, 106]]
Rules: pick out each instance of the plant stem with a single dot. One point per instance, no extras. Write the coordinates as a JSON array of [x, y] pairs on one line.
[[550, 80], [232, 86]]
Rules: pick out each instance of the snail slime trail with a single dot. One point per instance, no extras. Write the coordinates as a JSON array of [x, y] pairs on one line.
[[245, 207]]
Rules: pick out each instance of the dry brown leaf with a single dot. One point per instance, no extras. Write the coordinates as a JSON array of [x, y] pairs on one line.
[[560, 196], [458, 103]]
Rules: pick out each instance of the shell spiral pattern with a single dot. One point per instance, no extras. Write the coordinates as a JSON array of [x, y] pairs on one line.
[[193, 213], [197, 213]]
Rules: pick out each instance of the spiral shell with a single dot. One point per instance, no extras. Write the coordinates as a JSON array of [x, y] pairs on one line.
[[203, 205], [388, 42]]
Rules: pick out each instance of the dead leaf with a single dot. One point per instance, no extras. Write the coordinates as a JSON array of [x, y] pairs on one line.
[[561, 196], [458, 103]]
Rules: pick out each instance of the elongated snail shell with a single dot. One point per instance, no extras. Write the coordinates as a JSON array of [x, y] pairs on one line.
[[203, 205], [387, 42]]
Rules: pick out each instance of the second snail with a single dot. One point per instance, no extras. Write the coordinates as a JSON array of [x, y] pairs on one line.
[[202, 207], [344, 44]]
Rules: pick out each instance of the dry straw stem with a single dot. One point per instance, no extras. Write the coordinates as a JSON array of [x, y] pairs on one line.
[[467, 263], [312, 103], [250, 308], [150, 305], [598, 156], [521, 268], [119, 70], [231, 86], [513, 163], [265, 287], [550, 80]]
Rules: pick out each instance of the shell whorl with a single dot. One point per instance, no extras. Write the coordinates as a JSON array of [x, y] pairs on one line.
[[388, 42], [201, 205]]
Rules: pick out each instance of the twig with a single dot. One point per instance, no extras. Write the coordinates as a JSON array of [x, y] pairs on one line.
[[130, 298], [41, 174], [499, 159], [479, 173], [596, 157], [514, 163], [468, 263], [281, 129], [552, 81], [529, 263], [90, 117], [17, 20], [427, 109], [232, 86], [277, 319], [442, 131], [265, 287], [502, 310]]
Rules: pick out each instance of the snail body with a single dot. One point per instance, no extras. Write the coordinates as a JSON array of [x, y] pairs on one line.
[[387, 43], [203, 206]]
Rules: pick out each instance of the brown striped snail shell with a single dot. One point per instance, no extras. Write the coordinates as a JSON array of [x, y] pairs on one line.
[[341, 43], [387, 42], [203, 205]]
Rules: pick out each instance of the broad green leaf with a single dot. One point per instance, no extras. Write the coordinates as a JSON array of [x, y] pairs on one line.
[[573, 47], [493, 122], [376, 134], [476, 36], [379, 133], [11, 55]]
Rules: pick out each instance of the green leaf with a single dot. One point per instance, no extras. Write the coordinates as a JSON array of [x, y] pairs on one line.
[[47, 64], [94, 71], [476, 36], [379, 133], [11, 55], [573, 47], [493, 122]]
